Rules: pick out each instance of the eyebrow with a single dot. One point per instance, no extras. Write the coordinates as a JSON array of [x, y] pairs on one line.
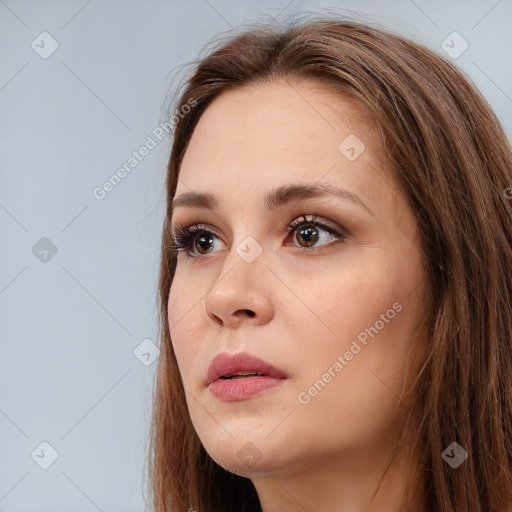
[[273, 199]]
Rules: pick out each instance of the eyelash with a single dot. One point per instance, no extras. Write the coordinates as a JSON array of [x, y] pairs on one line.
[[184, 237]]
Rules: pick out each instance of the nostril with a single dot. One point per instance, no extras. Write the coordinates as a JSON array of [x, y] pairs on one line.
[[217, 319], [242, 312]]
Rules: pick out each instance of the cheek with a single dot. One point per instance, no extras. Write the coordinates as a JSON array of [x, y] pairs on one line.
[[368, 309], [184, 318], [352, 297], [372, 316]]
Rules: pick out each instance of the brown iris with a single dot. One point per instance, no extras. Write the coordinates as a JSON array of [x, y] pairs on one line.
[[202, 242], [308, 234]]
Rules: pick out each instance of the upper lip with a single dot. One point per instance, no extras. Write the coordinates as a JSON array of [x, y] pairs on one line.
[[225, 364]]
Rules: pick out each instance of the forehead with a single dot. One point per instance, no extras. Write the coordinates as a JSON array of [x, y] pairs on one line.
[[266, 135]]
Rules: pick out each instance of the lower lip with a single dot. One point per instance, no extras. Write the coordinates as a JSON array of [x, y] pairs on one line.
[[231, 390]]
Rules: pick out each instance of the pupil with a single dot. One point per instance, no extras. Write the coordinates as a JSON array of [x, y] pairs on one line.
[[309, 235]]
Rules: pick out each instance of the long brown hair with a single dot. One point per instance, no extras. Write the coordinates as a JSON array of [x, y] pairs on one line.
[[453, 161]]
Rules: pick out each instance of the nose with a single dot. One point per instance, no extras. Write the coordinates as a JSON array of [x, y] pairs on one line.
[[240, 295]]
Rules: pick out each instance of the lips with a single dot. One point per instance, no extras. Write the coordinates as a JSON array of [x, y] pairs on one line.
[[240, 366]]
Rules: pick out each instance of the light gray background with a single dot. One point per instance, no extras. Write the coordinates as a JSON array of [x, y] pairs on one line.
[[70, 324]]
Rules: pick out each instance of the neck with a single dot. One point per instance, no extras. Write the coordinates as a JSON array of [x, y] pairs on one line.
[[365, 484]]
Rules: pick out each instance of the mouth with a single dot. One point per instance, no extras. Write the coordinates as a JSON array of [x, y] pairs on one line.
[[241, 376], [240, 366]]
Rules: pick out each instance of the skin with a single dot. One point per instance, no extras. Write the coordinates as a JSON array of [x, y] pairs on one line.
[[299, 309]]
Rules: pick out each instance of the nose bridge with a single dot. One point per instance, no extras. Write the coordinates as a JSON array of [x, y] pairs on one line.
[[246, 234], [239, 287], [243, 265]]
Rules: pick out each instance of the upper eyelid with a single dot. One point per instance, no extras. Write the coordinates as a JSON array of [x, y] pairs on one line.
[[318, 220], [295, 222]]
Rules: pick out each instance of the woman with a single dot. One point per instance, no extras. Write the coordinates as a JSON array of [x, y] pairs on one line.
[[336, 282]]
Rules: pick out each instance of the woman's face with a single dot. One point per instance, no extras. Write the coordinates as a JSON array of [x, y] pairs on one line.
[[333, 302]]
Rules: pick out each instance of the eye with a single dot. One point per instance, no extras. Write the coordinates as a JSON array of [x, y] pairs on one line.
[[310, 231], [193, 238], [198, 240]]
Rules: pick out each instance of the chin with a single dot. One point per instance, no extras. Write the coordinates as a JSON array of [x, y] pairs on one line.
[[243, 456], [232, 464]]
